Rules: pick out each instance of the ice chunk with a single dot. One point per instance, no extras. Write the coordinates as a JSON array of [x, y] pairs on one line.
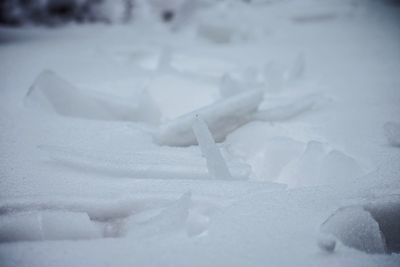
[[171, 163], [392, 132], [289, 111], [355, 228], [46, 225], [229, 87], [215, 162], [222, 117], [339, 167], [51, 93], [171, 219], [318, 166]]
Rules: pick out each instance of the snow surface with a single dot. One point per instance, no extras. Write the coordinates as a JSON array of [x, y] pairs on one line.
[[302, 96]]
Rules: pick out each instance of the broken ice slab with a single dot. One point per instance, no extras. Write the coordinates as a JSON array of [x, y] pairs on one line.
[[229, 87], [319, 165], [46, 225], [215, 162], [392, 132], [356, 228], [222, 117], [170, 219], [170, 163], [291, 110], [53, 94], [373, 227]]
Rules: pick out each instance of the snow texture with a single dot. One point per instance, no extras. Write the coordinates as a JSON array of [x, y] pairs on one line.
[[102, 162]]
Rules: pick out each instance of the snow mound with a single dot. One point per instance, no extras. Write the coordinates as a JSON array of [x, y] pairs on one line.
[[51, 93]]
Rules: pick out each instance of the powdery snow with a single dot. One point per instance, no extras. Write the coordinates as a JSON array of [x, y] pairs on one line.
[[103, 163]]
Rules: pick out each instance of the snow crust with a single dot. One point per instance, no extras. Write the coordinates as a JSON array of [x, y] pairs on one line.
[[100, 166]]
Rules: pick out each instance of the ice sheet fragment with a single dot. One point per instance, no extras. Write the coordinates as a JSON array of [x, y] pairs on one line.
[[170, 219], [215, 162], [289, 111], [222, 117], [355, 228], [53, 94]]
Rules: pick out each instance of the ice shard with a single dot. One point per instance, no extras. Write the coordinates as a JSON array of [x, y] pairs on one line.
[[215, 162], [53, 94], [222, 117]]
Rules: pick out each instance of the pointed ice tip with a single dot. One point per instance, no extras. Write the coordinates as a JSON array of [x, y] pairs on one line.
[[216, 164]]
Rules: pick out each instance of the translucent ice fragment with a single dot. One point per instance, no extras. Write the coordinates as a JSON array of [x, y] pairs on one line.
[[215, 162], [222, 117], [356, 228], [53, 94], [338, 167], [289, 111], [229, 87], [171, 219], [46, 225], [392, 132]]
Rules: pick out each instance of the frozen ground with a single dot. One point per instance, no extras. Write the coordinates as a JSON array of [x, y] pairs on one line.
[[92, 167]]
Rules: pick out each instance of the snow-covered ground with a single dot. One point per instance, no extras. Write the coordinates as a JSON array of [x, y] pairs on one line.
[[99, 165]]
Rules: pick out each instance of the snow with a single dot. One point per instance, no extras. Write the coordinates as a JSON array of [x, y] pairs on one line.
[[99, 164]]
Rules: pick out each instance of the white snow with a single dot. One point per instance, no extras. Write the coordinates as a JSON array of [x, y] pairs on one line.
[[99, 164]]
